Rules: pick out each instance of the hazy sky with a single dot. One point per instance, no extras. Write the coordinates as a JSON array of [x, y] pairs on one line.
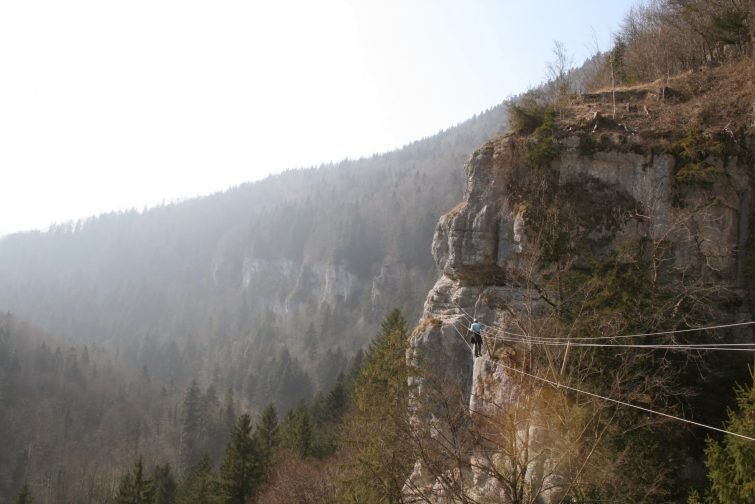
[[114, 104]]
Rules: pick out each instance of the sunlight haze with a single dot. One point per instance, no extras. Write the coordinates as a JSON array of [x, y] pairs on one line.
[[109, 105]]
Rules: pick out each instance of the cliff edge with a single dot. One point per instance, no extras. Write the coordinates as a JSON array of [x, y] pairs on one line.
[[586, 225]]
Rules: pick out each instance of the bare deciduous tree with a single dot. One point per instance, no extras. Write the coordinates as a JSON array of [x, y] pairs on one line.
[[560, 86]]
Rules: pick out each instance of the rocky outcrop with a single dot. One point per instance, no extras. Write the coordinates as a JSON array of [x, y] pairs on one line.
[[490, 251], [330, 284]]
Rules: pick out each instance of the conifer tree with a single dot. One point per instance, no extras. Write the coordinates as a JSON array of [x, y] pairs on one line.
[[241, 472], [134, 487], [24, 496], [327, 413], [337, 399], [229, 414], [298, 435], [212, 423], [266, 434], [355, 369], [731, 463], [192, 417], [200, 486], [376, 430], [164, 485]]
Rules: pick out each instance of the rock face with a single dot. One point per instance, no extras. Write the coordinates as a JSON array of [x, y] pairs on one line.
[[332, 284], [490, 257]]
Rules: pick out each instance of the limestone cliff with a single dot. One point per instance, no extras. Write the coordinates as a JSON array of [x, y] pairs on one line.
[[546, 222]]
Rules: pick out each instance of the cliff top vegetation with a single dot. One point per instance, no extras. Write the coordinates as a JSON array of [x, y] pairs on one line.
[[675, 66]]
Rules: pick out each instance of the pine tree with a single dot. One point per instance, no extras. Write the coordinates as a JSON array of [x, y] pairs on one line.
[[215, 433], [164, 485], [229, 411], [288, 382], [134, 487], [266, 434], [24, 496], [192, 423], [731, 463], [200, 486], [355, 369], [298, 435], [375, 430], [326, 412], [241, 472], [337, 399]]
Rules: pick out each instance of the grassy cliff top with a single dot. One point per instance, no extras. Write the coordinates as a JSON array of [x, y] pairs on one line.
[[710, 111], [717, 99]]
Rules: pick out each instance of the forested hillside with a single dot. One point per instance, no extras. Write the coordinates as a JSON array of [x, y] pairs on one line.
[[72, 424], [286, 275], [69, 421]]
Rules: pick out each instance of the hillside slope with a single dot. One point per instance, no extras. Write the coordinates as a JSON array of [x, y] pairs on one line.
[[296, 269]]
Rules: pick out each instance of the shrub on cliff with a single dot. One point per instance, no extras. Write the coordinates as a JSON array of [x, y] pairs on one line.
[[528, 112]]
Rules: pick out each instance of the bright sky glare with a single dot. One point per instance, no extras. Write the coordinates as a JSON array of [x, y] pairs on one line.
[[116, 104]]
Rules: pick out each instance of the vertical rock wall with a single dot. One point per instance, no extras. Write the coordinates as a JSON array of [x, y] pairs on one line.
[[482, 248]]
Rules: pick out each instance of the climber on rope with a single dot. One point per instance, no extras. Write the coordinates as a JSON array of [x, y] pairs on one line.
[[476, 340]]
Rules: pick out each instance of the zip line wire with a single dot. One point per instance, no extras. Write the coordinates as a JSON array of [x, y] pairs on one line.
[[576, 340], [724, 347], [615, 401], [721, 347]]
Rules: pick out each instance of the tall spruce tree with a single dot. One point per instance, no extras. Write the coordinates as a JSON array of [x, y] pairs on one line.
[[241, 472], [135, 487], [215, 433], [375, 432], [297, 431], [192, 427], [228, 415], [266, 434], [337, 399], [200, 485], [164, 485]]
